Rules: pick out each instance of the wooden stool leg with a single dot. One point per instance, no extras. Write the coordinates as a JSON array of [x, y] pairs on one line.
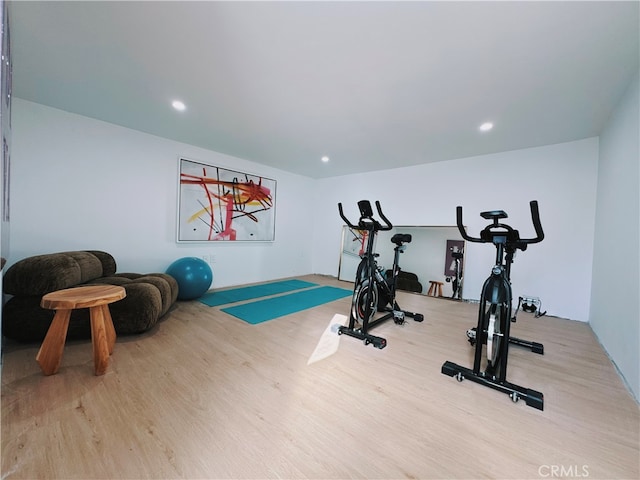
[[99, 340], [431, 285], [108, 325], [50, 354], [439, 289]]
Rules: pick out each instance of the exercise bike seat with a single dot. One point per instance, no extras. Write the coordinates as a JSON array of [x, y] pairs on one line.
[[400, 238]]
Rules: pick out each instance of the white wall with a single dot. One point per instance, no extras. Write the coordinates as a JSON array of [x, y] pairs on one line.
[[561, 177], [615, 292], [78, 183]]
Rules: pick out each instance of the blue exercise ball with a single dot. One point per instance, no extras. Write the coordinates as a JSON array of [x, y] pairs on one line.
[[194, 277]]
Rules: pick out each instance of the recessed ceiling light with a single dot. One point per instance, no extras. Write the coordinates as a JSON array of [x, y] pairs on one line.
[[325, 159], [178, 105], [485, 127]]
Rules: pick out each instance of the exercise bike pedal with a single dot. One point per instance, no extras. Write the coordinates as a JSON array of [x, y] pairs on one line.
[[398, 317], [471, 336]]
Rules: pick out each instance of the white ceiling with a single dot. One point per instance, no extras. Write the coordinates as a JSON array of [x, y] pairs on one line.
[[373, 85]]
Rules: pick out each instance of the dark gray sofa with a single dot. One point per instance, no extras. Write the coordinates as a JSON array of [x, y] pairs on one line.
[[149, 296]]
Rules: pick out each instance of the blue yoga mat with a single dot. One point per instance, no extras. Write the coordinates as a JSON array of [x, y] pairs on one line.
[[270, 308], [214, 299]]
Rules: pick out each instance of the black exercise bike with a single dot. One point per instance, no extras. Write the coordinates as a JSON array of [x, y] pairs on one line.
[[373, 291], [494, 316]]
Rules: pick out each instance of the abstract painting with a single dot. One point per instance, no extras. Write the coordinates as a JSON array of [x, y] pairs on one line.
[[216, 204]]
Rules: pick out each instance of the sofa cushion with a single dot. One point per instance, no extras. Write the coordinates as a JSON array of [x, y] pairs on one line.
[[108, 262], [24, 320], [42, 274], [138, 311], [166, 285]]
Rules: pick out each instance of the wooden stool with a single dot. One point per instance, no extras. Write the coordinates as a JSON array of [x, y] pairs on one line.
[[435, 289], [103, 336]]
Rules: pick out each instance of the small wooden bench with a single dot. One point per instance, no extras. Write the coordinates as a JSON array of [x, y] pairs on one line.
[[103, 336], [435, 288]]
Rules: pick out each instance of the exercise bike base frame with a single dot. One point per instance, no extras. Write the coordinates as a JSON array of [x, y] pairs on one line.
[[533, 398], [535, 347], [374, 340], [367, 338]]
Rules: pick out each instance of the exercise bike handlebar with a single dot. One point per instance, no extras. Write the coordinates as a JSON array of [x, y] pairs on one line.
[[387, 226], [535, 218], [346, 220]]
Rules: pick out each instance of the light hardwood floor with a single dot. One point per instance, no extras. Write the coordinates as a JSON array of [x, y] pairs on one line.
[[205, 395]]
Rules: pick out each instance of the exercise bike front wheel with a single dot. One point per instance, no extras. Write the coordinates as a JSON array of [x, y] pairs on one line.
[[495, 332], [361, 296]]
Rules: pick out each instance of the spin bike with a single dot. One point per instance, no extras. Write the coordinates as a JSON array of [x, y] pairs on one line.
[[373, 292], [494, 316]]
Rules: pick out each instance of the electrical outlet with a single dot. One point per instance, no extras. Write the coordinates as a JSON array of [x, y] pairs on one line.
[[212, 259]]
